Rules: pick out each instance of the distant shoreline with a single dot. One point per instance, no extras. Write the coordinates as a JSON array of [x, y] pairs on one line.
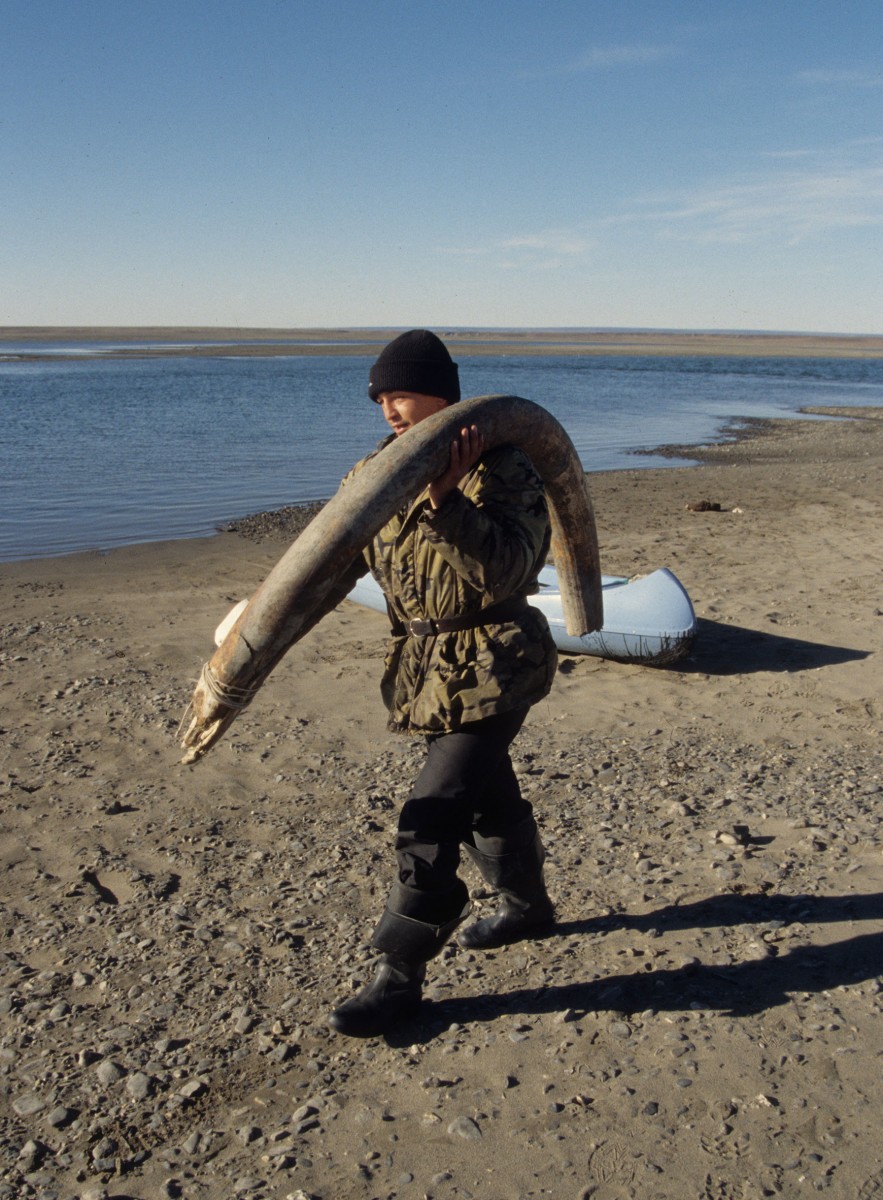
[[204, 341]]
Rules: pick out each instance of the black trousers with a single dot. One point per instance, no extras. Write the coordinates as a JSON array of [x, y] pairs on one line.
[[466, 784]]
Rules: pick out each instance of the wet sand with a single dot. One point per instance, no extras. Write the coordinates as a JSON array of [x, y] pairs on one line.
[[705, 1021]]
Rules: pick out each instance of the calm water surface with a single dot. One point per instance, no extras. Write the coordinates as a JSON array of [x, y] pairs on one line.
[[98, 453]]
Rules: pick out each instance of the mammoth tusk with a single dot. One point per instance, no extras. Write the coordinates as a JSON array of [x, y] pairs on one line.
[[286, 604]]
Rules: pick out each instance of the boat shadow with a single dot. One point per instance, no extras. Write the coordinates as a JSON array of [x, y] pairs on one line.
[[722, 649], [735, 989]]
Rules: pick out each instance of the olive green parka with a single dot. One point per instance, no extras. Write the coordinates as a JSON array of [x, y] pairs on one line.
[[484, 544]]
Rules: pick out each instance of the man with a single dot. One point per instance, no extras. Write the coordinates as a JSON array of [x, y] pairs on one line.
[[467, 659]]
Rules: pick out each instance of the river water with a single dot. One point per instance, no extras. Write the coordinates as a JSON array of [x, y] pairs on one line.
[[101, 452]]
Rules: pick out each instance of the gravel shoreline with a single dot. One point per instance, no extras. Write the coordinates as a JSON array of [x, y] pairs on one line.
[[283, 523], [704, 1021]]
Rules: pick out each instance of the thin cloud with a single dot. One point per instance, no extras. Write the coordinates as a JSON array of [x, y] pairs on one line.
[[608, 58], [811, 195], [547, 250], [567, 244], [791, 205], [603, 58], [850, 77], [788, 154]]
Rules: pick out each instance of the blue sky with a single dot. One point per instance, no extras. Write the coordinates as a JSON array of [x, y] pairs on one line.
[[645, 163]]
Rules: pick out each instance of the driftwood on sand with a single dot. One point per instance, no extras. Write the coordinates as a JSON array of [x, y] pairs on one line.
[[296, 592]]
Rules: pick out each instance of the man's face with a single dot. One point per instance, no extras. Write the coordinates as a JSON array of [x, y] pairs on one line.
[[405, 409]]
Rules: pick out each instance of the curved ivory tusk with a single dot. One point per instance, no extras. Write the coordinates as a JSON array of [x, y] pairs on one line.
[[280, 611]]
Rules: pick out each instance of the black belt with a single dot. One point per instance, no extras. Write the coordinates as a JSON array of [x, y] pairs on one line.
[[495, 614]]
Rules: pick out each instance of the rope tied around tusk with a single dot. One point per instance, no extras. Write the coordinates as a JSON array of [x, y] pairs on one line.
[[232, 698], [225, 693]]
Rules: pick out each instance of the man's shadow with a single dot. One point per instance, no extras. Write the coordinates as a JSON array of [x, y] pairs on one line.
[[744, 908], [739, 989], [721, 649]]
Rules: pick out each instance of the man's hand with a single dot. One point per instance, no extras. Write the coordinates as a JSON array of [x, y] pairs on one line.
[[466, 450]]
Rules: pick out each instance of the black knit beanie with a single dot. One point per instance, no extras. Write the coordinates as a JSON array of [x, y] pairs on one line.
[[416, 361]]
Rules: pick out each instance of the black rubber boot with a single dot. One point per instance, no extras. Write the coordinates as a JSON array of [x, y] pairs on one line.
[[407, 945], [514, 866], [391, 996]]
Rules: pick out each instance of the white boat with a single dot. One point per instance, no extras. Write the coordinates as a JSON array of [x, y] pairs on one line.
[[647, 619]]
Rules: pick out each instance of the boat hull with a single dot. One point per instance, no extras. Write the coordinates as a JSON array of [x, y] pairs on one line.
[[647, 619]]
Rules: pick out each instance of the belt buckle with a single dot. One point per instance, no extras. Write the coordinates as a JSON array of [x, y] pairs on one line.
[[421, 628]]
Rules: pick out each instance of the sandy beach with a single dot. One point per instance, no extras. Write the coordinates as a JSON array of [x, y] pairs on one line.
[[705, 1021]]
